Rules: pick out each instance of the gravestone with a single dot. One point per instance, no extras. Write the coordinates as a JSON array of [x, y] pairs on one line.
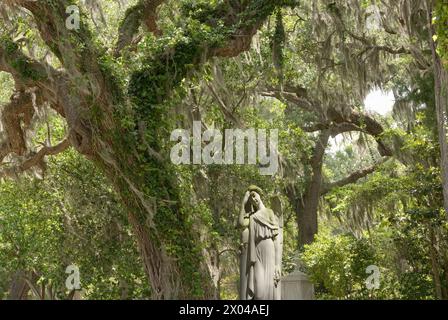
[[297, 286]]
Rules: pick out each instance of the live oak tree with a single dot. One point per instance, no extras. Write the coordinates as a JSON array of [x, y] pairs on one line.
[[340, 68], [121, 82], [355, 47], [272, 71], [120, 126]]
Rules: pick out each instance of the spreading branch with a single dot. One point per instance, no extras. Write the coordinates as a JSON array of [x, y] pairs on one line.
[[294, 98], [349, 120], [75, 49], [369, 44], [31, 75], [352, 178], [43, 152], [36, 159], [224, 109], [26, 71], [144, 12], [16, 118], [34, 83]]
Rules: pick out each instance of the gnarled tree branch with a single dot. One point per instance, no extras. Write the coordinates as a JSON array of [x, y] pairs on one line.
[[43, 152], [19, 109], [30, 74], [349, 120], [352, 178], [26, 71], [36, 159], [144, 12]]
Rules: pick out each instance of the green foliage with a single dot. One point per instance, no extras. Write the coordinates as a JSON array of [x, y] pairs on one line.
[[19, 62], [337, 264], [8, 45], [7, 87], [401, 207], [441, 23], [71, 217], [393, 218]]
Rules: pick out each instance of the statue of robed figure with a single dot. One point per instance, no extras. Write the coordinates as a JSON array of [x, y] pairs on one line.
[[261, 249]]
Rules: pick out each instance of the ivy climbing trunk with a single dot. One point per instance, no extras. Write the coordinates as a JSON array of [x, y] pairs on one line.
[[124, 130], [169, 247]]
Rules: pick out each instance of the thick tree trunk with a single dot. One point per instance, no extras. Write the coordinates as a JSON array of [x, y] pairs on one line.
[[19, 288], [125, 131], [441, 95], [169, 247], [441, 102], [155, 263], [307, 205], [445, 288], [435, 263]]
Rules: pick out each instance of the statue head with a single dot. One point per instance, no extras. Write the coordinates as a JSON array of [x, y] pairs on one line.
[[254, 200]]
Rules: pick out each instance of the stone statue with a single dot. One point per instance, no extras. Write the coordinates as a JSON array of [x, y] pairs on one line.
[[261, 249]]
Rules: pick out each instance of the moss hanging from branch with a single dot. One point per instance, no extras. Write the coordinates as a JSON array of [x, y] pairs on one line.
[[277, 45]]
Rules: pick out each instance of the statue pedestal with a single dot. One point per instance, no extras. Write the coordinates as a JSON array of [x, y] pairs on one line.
[[296, 286]]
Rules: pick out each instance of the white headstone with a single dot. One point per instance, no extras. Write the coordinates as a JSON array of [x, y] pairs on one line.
[[297, 286]]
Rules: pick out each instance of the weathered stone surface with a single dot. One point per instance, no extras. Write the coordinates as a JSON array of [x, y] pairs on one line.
[[261, 249], [297, 286]]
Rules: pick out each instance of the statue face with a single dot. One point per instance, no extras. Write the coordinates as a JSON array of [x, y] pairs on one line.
[[255, 199]]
